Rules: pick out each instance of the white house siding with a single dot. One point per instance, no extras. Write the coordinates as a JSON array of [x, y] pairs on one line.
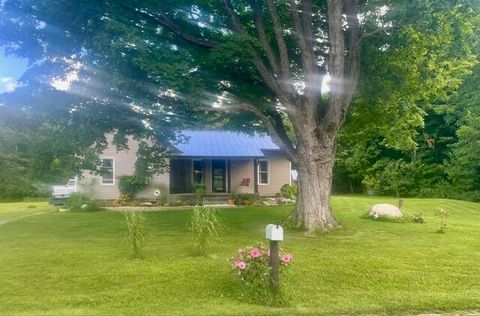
[[279, 175], [240, 169], [124, 164]]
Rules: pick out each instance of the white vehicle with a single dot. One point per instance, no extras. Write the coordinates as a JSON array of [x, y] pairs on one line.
[[64, 191]]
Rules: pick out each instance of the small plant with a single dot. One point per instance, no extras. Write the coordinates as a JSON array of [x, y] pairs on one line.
[[131, 185], [246, 199], [181, 202], [204, 225], [279, 199], [199, 194], [232, 198], [252, 267], [135, 223], [289, 191], [418, 218], [122, 200], [78, 202], [442, 214]]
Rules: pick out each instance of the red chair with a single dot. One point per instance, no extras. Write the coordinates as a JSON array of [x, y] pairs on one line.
[[245, 182]]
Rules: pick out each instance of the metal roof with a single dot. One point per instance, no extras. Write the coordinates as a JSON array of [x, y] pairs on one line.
[[225, 144]]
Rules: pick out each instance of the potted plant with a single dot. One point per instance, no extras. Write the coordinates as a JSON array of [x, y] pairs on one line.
[[279, 198], [232, 199]]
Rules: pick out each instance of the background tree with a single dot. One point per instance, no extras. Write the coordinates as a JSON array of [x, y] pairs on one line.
[[257, 64]]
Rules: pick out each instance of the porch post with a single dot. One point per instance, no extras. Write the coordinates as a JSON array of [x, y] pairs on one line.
[[229, 174], [255, 176]]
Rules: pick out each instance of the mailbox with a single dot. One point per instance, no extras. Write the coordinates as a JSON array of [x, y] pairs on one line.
[[274, 232]]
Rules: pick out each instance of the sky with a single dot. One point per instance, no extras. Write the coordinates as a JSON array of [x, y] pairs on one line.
[[11, 69]]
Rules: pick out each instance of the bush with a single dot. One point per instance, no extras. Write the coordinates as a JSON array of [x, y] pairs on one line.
[[78, 202], [246, 199], [289, 191], [135, 223], [199, 194], [418, 218], [204, 225], [252, 267], [131, 185], [122, 200], [443, 221]]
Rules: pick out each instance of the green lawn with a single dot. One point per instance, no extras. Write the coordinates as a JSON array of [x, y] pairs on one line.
[[78, 263]]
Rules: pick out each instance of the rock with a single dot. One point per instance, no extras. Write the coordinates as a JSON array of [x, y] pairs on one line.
[[385, 210]]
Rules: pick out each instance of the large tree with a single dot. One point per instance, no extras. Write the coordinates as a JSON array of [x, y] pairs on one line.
[[259, 64]]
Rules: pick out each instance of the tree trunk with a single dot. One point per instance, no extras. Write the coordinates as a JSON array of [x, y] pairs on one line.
[[313, 210]]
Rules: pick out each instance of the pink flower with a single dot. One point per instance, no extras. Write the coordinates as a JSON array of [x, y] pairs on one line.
[[286, 258], [255, 253], [241, 265]]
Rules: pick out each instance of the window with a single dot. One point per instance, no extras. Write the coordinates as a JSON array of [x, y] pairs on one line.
[[108, 174], [263, 166]]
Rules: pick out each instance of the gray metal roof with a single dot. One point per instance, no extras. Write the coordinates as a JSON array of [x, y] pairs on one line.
[[225, 144]]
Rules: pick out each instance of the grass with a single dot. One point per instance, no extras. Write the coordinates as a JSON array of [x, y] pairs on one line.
[[78, 263]]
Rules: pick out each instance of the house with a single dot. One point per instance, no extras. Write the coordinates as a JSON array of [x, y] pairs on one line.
[[224, 161]]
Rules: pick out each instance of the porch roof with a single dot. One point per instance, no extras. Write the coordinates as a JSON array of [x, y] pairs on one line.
[[225, 144]]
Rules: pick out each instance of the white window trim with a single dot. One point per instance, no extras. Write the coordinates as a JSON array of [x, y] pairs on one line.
[[113, 171], [258, 172]]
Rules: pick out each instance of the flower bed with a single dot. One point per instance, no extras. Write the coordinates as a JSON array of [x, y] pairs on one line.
[[252, 267]]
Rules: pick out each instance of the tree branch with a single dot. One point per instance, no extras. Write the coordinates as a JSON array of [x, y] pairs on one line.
[[282, 46], [163, 19], [268, 78], [369, 34], [303, 34], [276, 129], [345, 70], [312, 72], [262, 36], [354, 49], [336, 65]]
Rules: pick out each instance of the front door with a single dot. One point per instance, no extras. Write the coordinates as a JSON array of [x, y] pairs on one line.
[[218, 175]]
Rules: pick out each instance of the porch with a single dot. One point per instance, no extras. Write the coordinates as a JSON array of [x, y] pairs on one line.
[[220, 176]]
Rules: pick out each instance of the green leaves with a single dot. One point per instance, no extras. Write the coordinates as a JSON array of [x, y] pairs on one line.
[[204, 226]]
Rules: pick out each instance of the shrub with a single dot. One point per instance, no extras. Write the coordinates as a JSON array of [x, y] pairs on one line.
[[246, 199], [182, 202], [131, 185], [199, 194], [204, 225], [279, 199], [289, 191], [443, 221], [252, 267], [122, 200], [78, 202], [135, 223], [418, 218]]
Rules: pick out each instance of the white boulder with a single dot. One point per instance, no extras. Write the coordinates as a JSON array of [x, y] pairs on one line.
[[385, 210]]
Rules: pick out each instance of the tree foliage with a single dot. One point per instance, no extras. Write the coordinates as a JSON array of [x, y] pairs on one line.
[[444, 161]]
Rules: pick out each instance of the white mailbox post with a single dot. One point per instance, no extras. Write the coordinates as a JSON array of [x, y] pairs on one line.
[[274, 233]]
